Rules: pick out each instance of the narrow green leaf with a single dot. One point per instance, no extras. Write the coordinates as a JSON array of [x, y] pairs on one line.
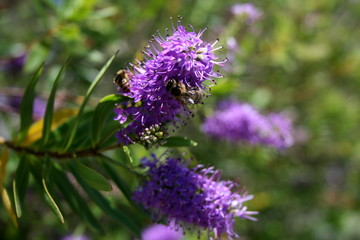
[[108, 138], [120, 183], [70, 138], [103, 115], [26, 106], [20, 184], [39, 170], [50, 107], [34, 134], [104, 204], [179, 141], [113, 98], [93, 178], [127, 153], [75, 200], [56, 138], [48, 197]]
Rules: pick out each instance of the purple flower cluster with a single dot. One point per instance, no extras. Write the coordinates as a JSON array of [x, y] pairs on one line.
[[194, 196], [248, 9], [10, 102], [161, 232], [182, 58], [13, 65], [235, 122]]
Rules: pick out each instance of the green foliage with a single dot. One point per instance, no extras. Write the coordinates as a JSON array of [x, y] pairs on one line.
[[26, 107], [118, 180], [70, 139], [103, 125], [46, 171], [20, 184], [76, 202], [104, 204], [93, 178], [178, 141], [50, 108]]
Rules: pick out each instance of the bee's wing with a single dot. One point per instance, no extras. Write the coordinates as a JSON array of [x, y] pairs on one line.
[[193, 96]]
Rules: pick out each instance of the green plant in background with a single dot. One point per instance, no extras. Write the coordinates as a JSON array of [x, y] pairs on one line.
[[300, 57]]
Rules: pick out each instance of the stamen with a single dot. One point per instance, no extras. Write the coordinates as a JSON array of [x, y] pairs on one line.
[[221, 62], [218, 48], [202, 31], [217, 40], [172, 24]]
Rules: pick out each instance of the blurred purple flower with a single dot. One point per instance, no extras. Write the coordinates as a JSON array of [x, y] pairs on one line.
[[235, 122], [75, 237], [194, 196], [232, 44], [13, 65], [11, 103], [161, 232], [182, 58], [232, 49], [248, 9]]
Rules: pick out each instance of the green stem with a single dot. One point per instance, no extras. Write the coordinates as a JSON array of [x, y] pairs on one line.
[[59, 155]]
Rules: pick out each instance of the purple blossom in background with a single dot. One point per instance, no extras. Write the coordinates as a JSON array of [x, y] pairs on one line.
[[161, 232], [232, 44], [248, 9], [232, 49], [13, 65], [236, 122], [75, 237], [191, 197], [182, 57], [11, 103]]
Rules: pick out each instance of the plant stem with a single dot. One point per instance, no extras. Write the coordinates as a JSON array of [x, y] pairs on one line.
[[76, 154]]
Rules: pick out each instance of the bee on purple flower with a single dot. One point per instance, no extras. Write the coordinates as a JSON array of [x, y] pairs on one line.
[[176, 73]]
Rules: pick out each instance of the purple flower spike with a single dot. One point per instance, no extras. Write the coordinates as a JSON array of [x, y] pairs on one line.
[[191, 197], [248, 9], [171, 77], [161, 232], [236, 122]]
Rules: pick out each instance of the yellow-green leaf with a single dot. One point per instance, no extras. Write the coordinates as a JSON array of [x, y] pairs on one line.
[[3, 162], [8, 206], [59, 117]]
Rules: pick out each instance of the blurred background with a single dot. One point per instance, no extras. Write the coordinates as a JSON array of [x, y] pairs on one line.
[[297, 57]]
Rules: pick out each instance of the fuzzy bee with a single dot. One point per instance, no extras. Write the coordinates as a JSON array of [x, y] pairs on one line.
[[122, 80], [184, 94]]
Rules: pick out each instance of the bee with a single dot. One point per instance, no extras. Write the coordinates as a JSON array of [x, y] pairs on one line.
[[196, 95], [184, 94], [122, 80]]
